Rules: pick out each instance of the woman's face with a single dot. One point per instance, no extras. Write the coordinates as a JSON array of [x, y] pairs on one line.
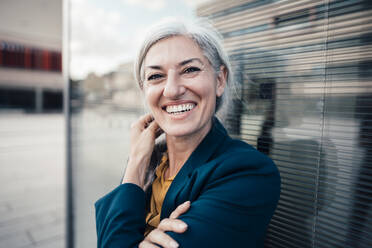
[[180, 86]]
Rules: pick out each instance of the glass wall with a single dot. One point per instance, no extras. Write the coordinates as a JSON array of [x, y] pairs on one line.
[[104, 99], [303, 96]]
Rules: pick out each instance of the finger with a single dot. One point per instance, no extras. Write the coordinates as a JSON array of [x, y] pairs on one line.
[[154, 129], [181, 209], [147, 244], [143, 121], [146, 119], [158, 237], [173, 225], [158, 132]]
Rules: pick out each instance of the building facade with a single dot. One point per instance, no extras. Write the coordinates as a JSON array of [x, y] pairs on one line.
[[30, 55], [304, 97]]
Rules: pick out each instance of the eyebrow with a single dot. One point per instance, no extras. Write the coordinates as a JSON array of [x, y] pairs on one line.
[[182, 63], [185, 62]]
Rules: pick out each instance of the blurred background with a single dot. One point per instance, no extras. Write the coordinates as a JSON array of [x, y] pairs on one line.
[[32, 137], [303, 96]]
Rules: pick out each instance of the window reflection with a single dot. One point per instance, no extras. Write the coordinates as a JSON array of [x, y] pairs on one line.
[[302, 96]]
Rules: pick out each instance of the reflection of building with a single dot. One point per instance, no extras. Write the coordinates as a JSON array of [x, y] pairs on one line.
[[305, 86], [117, 89], [30, 55]]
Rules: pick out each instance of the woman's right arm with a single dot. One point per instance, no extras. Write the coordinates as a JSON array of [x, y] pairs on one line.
[[120, 220], [142, 141], [120, 215]]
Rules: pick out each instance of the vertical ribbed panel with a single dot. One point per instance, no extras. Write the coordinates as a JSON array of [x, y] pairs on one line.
[[304, 97]]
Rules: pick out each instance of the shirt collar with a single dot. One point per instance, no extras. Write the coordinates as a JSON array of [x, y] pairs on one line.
[[203, 152]]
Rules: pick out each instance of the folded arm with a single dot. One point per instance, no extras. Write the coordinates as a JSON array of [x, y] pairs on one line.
[[120, 217], [233, 211]]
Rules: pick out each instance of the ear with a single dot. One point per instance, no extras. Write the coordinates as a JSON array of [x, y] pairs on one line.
[[221, 81]]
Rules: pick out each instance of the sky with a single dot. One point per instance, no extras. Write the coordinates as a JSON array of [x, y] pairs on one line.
[[105, 34]]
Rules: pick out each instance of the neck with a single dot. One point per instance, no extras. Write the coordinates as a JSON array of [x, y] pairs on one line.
[[180, 148]]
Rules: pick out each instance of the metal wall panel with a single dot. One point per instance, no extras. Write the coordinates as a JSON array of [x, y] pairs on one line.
[[304, 97]]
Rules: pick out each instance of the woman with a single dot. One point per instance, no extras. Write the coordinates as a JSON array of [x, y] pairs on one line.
[[205, 189]]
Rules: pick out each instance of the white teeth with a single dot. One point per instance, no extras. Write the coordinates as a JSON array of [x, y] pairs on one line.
[[180, 108]]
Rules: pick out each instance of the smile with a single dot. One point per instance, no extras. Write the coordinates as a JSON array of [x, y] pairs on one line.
[[181, 108]]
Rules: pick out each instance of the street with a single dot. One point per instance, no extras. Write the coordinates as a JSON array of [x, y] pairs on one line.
[[32, 180]]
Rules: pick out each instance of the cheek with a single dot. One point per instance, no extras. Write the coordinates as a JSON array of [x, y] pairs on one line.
[[152, 96], [208, 89]]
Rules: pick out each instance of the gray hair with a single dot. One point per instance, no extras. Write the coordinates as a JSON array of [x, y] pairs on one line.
[[202, 32]]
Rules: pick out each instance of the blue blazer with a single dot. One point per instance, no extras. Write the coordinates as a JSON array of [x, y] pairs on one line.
[[233, 189]]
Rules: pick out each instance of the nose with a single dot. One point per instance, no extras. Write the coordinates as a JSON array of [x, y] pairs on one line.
[[173, 87]]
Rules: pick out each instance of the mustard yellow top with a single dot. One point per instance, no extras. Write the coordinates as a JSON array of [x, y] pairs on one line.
[[159, 189]]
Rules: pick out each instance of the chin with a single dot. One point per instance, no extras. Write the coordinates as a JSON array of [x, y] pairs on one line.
[[184, 129], [178, 131]]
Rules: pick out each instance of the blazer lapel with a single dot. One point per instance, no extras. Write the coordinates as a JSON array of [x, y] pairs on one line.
[[200, 156]]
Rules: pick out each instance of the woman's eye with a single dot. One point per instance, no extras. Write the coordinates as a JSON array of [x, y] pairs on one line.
[[154, 77], [191, 69]]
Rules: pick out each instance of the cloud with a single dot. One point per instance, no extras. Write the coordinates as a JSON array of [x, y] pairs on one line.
[[99, 42], [148, 4], [103, 37]]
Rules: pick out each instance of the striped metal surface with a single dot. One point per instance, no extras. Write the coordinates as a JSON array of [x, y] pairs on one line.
[[303, 95]]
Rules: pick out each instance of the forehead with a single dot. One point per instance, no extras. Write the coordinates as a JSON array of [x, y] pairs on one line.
[[173, 50]]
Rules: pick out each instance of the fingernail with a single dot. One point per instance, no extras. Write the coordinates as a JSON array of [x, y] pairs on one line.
[[186, 203], [182, 225], [173, 244]]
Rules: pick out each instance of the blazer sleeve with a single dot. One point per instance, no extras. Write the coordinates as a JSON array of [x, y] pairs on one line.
[[236, 205], [120, 217]]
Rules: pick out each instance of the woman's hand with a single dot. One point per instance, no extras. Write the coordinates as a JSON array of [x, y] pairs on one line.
[[158, 237], [143, 134]]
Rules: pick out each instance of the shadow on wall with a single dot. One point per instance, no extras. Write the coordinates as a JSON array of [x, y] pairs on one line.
[[308, 165], [362, 186]]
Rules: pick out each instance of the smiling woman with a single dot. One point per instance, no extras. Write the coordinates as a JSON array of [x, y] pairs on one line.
[[178, 75], [201, 188]]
